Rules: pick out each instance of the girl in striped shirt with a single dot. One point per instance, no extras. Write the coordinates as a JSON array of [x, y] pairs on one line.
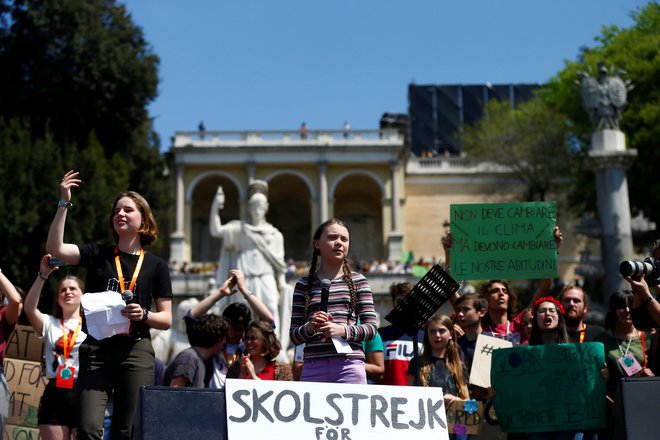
[[333, 337]]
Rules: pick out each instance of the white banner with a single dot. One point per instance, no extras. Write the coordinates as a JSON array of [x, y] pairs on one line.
[[330, 411]]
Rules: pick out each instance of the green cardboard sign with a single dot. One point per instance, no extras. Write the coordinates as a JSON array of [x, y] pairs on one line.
[[503, 241], [548, 388]]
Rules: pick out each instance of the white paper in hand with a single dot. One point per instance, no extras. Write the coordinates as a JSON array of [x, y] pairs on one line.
[[103, 314]]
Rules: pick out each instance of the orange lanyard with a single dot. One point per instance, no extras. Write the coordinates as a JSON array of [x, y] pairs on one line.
[[67, 345], [583, 332], [120, 274]]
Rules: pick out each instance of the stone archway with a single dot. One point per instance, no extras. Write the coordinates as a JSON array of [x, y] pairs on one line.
[[358, 202], [289, 211], [203, 247]]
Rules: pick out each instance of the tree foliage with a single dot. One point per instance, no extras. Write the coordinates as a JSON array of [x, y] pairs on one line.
[[530, 139], [76, 81], [637, 51]]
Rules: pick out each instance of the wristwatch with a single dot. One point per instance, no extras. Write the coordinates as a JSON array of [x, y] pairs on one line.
[[145, 315], [64, 203]]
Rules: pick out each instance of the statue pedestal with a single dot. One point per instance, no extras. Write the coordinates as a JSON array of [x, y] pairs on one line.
[[609, 159], [177, 247], [394, 246]]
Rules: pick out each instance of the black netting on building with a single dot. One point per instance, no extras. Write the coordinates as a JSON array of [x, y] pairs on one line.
[[437, 112]]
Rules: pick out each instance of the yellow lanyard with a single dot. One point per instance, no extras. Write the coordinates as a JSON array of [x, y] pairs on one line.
[[120, 274]]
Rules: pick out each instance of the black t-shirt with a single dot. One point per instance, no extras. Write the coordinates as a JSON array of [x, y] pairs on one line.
[[590, 332], [153, 280]]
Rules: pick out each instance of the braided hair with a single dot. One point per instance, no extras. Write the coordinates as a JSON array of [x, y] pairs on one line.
[[346, 268]]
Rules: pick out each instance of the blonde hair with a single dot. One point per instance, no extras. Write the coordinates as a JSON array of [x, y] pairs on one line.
[[453, 359]]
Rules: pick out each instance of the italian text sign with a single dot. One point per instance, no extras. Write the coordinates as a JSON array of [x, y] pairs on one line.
[[306, 410], [548, 388], [503, 241]]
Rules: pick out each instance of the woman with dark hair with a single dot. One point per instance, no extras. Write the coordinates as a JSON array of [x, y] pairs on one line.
[[333, 338], [626, 348], [548, 323], [549, 327], [262, 348], [118, 365], [62, 337]]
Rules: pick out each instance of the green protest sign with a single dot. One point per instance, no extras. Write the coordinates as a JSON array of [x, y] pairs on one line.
[[503, 241], [548, 388]]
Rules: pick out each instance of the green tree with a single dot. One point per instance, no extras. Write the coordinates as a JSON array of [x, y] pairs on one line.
[[637, 51], [530, 139], [76, 80]]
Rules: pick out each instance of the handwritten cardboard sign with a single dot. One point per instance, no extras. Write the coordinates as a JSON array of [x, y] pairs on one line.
[[481, 364], [26, 385], [465, 417], [24, 344], [503, 241], [307, 410], [548, 388], [15, 432]]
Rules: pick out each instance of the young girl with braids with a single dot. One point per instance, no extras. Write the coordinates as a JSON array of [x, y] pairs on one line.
[[441, 362], [333, 339]]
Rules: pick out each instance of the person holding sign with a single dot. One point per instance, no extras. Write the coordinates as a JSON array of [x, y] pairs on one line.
[[333, 337], [120, 364], [62, 336], [502, 319], [549, 327], [8, 318], [441, 363]]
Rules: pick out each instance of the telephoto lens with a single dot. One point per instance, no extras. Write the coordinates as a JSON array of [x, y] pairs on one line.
[[634, 269]]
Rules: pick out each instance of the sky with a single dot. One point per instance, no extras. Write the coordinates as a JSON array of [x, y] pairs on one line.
[[270, 65]]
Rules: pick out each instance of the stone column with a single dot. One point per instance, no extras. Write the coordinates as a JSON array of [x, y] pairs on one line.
[[177, 239], [395, 237], [323, 191], [609, 160]]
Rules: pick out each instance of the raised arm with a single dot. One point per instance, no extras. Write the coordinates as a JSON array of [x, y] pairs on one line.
[[202, 307], [447, 243], [644, 298], [543, 288], [32, 299], [13, 297], [255, 303], [69, 253], [215, 224]]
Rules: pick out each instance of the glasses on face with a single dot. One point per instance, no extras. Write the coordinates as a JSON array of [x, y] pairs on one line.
[[547, 311]]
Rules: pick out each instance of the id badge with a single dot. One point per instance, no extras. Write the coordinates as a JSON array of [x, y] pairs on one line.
[[629, 364], [64, 376]]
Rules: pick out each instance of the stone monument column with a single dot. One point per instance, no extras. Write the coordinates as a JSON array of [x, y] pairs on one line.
[[604, 97], [609, 159]]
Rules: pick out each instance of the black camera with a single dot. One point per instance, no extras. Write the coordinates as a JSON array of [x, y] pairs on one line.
[[649, 268]]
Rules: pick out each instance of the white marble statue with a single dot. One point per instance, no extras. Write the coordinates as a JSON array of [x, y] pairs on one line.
[[256, 248]]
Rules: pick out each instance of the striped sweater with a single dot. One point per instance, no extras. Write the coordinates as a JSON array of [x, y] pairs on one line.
[[338, 306]]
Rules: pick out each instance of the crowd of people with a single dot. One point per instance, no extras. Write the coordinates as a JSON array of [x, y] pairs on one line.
[[94, 374]]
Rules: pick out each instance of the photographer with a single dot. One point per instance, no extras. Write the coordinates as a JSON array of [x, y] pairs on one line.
[[645, 307]]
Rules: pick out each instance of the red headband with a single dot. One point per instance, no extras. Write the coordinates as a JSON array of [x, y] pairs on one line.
[[548, 299]]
